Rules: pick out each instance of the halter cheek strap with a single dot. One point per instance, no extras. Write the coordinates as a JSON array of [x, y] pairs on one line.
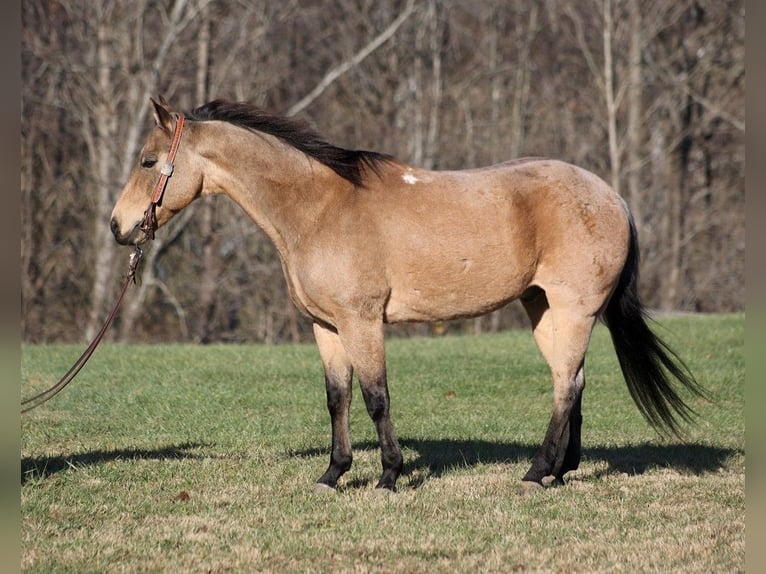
[[149, 224]]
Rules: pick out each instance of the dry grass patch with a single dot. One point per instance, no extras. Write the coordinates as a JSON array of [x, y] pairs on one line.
[[215, 474]]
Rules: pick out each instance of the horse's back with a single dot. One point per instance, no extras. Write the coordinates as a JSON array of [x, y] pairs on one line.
[[462, 243]]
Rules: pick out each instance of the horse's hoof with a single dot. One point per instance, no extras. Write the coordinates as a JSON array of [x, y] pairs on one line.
[[528, 487], [551, 480], [322, 488]]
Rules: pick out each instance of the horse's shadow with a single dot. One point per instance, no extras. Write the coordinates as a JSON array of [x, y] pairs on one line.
[[42, 467], [433, 458], [436, 457]]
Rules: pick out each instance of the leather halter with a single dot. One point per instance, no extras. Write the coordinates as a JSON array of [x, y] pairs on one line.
[[149, 223]]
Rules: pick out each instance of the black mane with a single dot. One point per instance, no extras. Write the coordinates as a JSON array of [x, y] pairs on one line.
[[349, 164]]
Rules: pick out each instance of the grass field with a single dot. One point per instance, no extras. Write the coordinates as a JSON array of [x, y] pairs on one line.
[[201, 459]]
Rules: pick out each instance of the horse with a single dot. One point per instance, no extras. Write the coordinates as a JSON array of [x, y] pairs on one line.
[[365, 239]]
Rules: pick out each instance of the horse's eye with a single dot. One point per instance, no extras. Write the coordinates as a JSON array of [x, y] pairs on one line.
[[148, 161]]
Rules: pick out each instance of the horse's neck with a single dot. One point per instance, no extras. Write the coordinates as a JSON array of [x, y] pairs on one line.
[[279, 187]]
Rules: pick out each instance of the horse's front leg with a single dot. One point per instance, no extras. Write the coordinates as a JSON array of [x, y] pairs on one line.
[[363, 341], [338, 374]]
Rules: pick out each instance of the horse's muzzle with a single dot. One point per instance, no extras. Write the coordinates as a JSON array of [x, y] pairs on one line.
[[132, 237]]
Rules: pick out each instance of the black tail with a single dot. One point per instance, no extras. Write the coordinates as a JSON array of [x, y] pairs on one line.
[[645, 359]]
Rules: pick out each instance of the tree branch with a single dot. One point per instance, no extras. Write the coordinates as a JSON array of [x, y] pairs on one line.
[[355, 60]]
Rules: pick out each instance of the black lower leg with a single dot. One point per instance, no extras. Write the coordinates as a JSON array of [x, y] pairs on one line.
[[340, 462], [377, 401], [551, 455], [574, 448], [338, 401], [560, 451]]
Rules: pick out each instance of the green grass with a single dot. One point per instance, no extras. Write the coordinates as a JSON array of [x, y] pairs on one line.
[[201, 459]]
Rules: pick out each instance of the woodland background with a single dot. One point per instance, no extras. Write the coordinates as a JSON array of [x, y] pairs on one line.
[[648, 94]]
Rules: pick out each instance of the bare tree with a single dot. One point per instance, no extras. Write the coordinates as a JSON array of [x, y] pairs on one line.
[[649, 95]]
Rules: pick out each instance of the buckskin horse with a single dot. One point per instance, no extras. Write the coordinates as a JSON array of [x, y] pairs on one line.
[[365, 239]]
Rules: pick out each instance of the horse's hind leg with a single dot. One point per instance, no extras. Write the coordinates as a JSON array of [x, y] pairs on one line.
[[338, 374], [574, 448], [562, 334]]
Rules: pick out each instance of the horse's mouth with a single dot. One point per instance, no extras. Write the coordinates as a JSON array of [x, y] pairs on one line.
[[136, 236]]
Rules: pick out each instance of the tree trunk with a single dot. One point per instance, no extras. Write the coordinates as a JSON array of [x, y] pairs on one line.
[[436, 29], [609, 95], [635, 133], [521, 85], [104, 159], [211, 263]]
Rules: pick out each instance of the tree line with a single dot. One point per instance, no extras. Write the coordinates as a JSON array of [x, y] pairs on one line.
[[649, 95]]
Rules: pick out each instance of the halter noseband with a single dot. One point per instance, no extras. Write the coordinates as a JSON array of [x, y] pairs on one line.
[[149, 223]]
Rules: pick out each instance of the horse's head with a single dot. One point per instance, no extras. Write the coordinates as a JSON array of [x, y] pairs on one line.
[[182, 187]]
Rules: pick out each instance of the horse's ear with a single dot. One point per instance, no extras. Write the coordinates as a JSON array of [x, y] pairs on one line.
[[163, 115]]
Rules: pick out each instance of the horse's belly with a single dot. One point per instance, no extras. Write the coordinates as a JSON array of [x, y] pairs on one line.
[[413, 309], [461, 293]]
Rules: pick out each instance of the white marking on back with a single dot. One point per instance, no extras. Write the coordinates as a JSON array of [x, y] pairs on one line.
[[410, 178]]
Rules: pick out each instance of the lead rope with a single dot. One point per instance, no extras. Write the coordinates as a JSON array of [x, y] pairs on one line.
[[148, 226], [46, 395]]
